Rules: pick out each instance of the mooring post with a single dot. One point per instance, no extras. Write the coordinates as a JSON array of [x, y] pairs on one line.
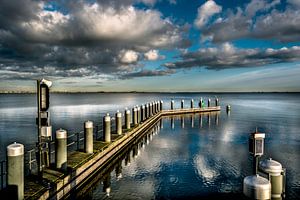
[[61, 149], [150, 109], [182, 104], [208, 102], [15, 168], [143, 112], [217, 102], [119, 123], [192, 103], [138, 114], [147, 111], [127, 118], [155, 107], [107, 128], [161, 105], [201, 103], [172, 104], [88, 137]]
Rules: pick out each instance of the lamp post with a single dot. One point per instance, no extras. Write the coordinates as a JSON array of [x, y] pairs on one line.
[[43, 123], [256, 147]]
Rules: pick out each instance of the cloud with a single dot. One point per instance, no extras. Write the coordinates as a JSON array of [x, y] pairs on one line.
[[205, 12], [102, 37], [153, 55], [148, 73], [128, 56], [259, 20], [227, 56]]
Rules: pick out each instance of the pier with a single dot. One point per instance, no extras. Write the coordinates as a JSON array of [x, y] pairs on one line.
[[74, 170]]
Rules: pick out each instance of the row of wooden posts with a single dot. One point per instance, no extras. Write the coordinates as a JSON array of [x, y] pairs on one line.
[[133, 117]]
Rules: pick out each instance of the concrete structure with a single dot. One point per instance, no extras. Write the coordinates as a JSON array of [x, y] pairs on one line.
[[88, 137], [257, 187], [119, 123], [61, 149], [275, 171], [107, 128], [127, 119], [15, 169]]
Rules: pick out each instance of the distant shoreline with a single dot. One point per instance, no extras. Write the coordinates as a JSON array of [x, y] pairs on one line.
[[133, 92]]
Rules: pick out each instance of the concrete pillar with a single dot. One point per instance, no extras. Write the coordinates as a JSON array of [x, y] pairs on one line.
[[201, 103], [150, 109], [217, 102], [107, 128], [88, 137], [119, 123], [134, 116], [147, 111], [182, 104], [15, 169], [208, 103], [143, 112], [161, 105], [127, 118], [61, 149], [192, 103], [138, 114], [172, 105]]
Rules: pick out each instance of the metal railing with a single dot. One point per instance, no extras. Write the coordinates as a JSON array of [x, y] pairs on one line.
[[3, 174]]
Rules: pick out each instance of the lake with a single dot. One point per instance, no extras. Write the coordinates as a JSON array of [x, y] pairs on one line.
[[191, 156]]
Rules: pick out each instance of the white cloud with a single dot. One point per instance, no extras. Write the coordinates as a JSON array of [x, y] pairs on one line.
[[153, 55], [205, 12], [128, 56]]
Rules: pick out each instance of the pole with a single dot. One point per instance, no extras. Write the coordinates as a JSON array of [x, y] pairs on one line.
[[39, 143]]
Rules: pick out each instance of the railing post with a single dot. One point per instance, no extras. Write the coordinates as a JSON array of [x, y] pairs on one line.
[[78, 140]]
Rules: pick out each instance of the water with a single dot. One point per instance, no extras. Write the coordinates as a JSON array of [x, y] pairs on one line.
[[190, 162]]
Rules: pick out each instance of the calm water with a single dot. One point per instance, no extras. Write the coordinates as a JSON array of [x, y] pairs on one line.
[[202, 155]]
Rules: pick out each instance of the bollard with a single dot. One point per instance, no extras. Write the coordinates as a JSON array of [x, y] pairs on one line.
[[119, 123], [155, 107], [147, 111], [217, 102], [182, 104], [106, 128], [88, 137], [151, 109], [15, 169], [275, 172], [135, 116], [208, 102], [138, 114], [257, 187], [61, 149], [127, 118], [172, 105], [192, 103], [161, 105], [228, 108], [201, 103], [143, 113]]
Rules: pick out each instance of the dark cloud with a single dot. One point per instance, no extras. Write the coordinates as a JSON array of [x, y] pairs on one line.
[[148, 73], [82, 38], [227, 56], [260, 19]]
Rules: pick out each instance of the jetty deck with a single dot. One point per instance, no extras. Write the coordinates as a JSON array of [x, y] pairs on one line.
[[81, 167]]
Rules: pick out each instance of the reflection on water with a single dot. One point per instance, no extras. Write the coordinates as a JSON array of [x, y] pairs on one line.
[[208, 156], [189, 160]]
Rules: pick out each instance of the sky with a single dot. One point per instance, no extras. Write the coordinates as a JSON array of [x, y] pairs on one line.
[[151, 45]]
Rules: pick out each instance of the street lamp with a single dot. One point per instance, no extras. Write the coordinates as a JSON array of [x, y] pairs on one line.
[[43, 122], [256, 147]]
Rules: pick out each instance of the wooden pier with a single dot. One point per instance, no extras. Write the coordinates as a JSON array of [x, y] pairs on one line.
[[81, 167]]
